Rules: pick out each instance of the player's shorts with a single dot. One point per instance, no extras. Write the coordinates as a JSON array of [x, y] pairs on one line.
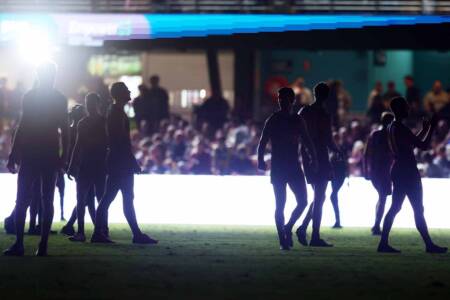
[[382, 183], [406, 178], [286, 176]]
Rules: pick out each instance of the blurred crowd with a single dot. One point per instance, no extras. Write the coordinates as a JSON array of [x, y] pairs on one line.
[[216, 143]]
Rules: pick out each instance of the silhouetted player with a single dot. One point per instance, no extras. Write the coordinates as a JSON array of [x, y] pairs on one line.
[[405, 175], [377, 164], [37, 143], [121, 167], [77, 113], [285, 130], [88, 160], [318, 124], [339, 168]]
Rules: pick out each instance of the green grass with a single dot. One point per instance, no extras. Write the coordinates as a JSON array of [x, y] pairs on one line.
[[227, 262]]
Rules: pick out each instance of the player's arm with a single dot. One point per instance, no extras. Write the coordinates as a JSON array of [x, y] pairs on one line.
[[306, 141], [423, 138], [329, 136], [367, 162], [75, 157], [64, 127], [265, 137]]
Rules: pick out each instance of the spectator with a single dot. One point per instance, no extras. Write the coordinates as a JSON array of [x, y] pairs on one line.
[[158, 153], [375, 103], [141, 109], [436, 99], [221, 157], [159, 99], [390, 93], [213, 112], [201, 160], [442, 162], [412, 94], [344, 100], [303, 95], [241, 163], [178, 147], [430, 168]]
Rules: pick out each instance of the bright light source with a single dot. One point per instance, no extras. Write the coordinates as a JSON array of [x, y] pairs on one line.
[[202, 94], [34, 45]]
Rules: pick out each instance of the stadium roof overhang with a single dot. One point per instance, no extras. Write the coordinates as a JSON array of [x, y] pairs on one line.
[[225, 30]]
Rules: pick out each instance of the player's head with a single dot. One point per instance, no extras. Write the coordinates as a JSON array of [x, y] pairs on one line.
[[286, 98], [46, 74], [321, 92], [92, 103], [120, 92], [154, 80], [399, 107], [386, 118]]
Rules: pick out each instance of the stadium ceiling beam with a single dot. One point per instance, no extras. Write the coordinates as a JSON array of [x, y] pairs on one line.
[[394, 37]]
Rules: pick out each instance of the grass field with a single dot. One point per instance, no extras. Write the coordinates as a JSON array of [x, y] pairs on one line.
[[216, 262]]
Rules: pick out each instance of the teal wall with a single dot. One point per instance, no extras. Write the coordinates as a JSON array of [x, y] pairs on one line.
[[429, 66], [348, 66], [399, 63], [357, 69]]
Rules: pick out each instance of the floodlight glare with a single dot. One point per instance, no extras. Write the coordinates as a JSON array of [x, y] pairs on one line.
[[34, 46]]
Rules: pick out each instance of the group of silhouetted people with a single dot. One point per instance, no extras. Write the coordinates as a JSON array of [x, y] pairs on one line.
[[390, 165], [97, 151], [101, 160]]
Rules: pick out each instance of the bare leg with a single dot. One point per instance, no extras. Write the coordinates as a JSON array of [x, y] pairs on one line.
[[379, 212], [280, 202], [90, 203], [301, 196], [415, 196], [319, 198], [127, 188], [336, 185], [48, 194], [25, 181], [61, 189], [112, 188], [398, 196], [34, 206], [83, 187]]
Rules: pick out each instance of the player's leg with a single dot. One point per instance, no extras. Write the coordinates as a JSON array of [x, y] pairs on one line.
[[301, 230], [48, 176], [415, 196], [111, 190], [27, 175], [127, 188], [398, 196], [34, 208], [279, 189], [298, 187], [83, 187], [379, 211], [336, 185], [68, 229], [319, 198], [9, 223], [90, 202], [98, 192], [61, 184]]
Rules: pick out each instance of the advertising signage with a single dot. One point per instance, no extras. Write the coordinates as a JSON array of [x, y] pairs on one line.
[[94, 29]]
